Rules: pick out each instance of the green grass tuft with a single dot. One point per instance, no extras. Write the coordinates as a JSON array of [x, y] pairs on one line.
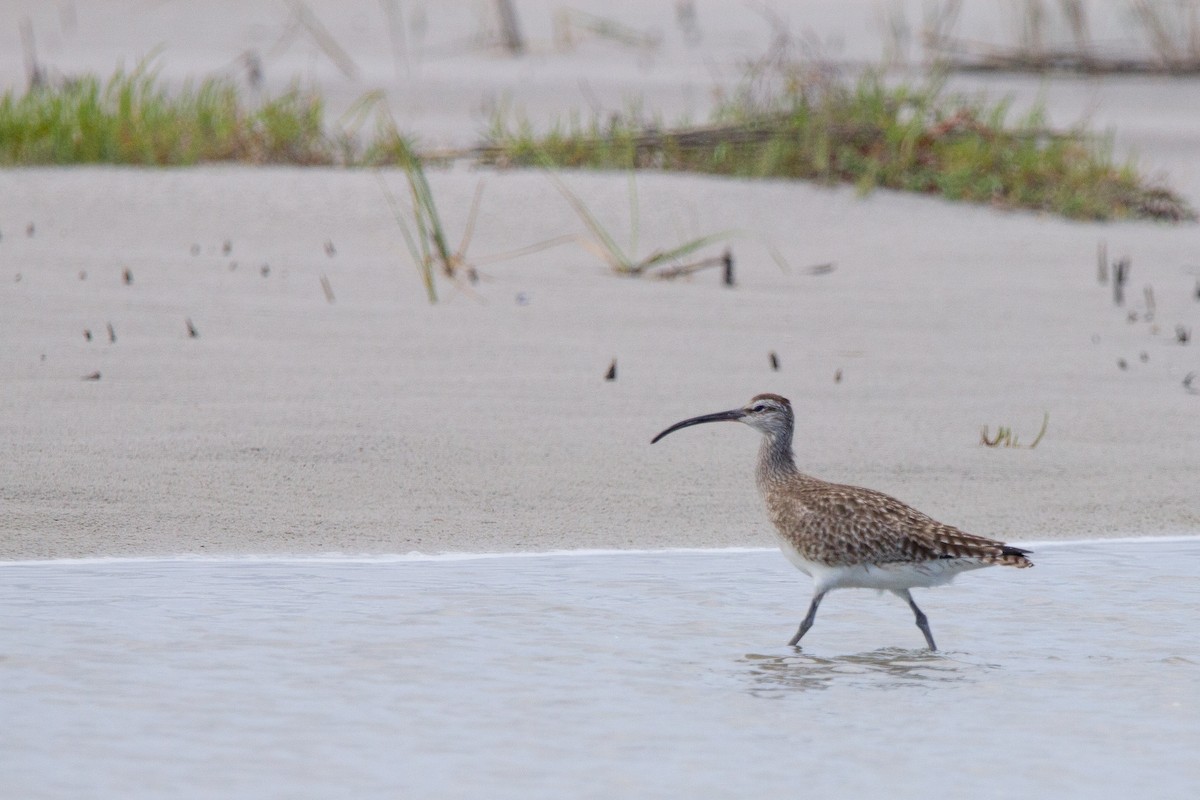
[[786, 121], [818, 127], [133, 119]]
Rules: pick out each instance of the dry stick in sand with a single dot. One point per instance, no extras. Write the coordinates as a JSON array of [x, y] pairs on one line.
[[725, 261], [510, 29], [33, 70], [1120, 276]]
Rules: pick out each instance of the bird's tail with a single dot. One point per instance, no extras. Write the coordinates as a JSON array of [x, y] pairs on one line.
[[1013, 557]]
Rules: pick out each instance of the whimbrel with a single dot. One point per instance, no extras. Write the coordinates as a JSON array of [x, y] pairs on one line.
[[849, 537]]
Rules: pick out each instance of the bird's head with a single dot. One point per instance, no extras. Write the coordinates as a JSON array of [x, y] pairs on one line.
[[769, 414]]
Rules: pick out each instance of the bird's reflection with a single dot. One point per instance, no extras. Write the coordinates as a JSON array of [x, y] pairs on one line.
[[886, 668]]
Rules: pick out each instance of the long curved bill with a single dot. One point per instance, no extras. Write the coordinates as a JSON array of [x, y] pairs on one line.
[[720, 416]]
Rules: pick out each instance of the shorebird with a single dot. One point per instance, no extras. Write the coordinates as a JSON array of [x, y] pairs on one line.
[[847, 537]]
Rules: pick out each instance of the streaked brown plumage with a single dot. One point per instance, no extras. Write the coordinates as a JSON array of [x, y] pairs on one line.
[[847, 536]]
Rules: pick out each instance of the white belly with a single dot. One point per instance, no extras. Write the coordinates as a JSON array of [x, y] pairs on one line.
[[891, 577]]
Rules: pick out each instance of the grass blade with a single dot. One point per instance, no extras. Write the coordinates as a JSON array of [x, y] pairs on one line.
[[424, 266], [608, 247]]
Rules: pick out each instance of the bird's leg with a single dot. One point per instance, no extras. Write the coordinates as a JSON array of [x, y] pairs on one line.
[[922, 620], [808, 619]]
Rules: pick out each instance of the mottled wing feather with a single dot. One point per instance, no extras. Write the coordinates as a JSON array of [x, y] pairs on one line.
[[852, 525]]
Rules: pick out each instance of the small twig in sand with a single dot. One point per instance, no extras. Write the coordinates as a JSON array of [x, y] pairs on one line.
[[725, 261], [34, 73], [251, 61], [688, 22], [1120, 276], [510, 29], [327, 288]]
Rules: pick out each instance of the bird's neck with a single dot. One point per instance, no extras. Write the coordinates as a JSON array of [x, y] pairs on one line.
[[775, 459]]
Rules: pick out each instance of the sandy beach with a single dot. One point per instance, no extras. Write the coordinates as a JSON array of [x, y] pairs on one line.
[[371, 421]]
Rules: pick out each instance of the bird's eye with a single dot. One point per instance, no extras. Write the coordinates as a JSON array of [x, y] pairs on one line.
[[759, 407]]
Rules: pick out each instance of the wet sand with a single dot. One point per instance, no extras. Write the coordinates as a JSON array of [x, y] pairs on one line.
[[378, 423]]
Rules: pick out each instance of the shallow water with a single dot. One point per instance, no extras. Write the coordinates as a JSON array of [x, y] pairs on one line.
[[603, 675]]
